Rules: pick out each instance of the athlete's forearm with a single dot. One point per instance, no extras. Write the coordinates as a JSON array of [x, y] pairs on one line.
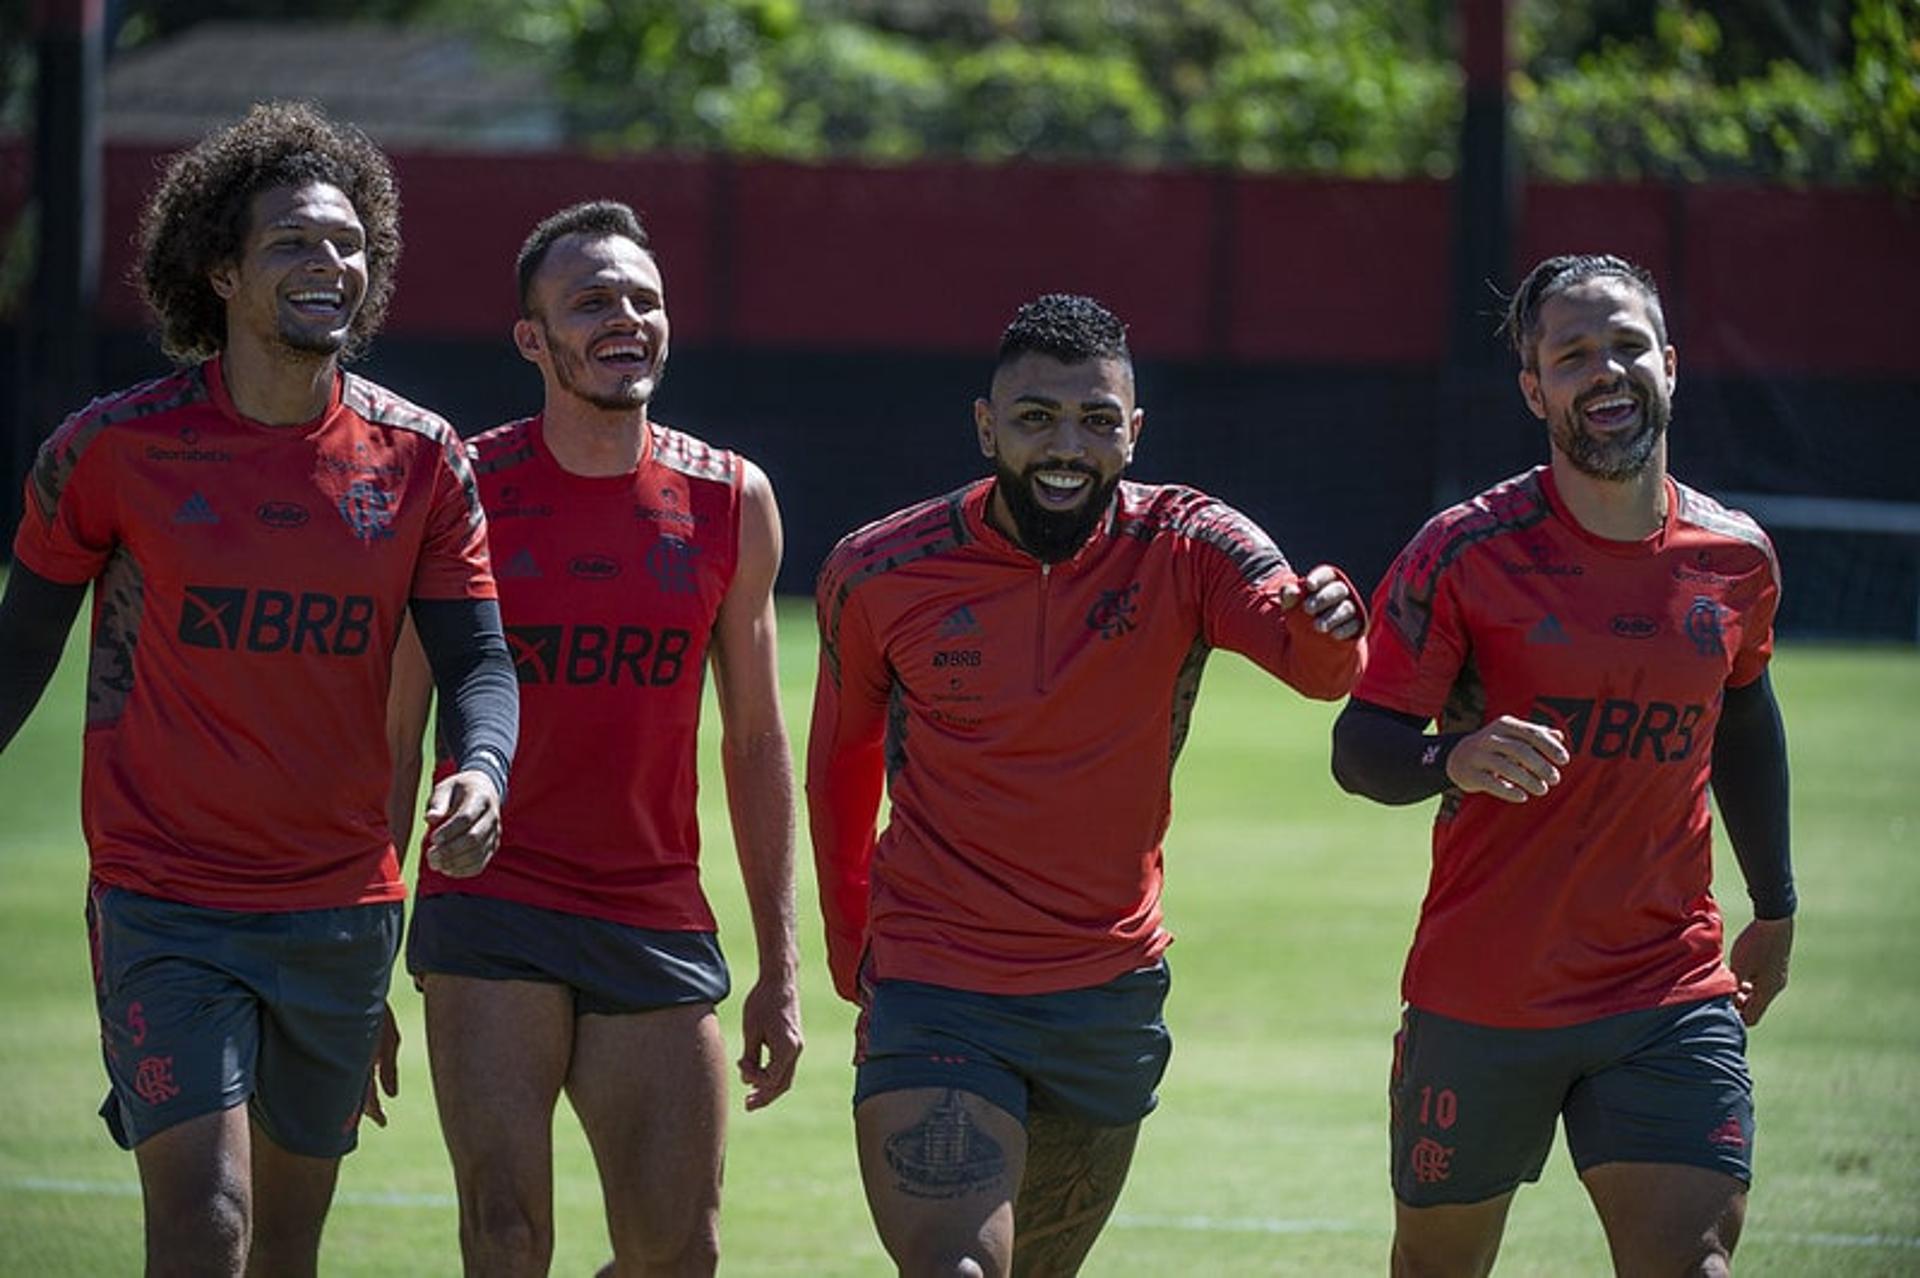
[[479, 692], [1750, 780], [35, 616], [759, 775], [1388, 756]]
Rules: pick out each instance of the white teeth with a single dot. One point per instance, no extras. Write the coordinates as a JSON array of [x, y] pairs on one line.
[[330, 299], [1612, 401], [1064, 481], [619, 350]]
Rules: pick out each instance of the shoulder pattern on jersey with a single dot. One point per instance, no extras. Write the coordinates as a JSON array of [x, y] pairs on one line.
[[382, 407], [696, 458], [1510, 506], [1703, 512], [502, 448], [62, 450], [1147, 511], [920, 531]]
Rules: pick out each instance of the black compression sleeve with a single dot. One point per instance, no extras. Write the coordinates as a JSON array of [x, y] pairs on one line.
[[1387, 756], [1750, 780], [474, 675], [35, 616]]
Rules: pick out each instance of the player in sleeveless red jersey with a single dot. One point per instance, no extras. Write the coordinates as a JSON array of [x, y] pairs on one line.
[[1592, 639], [254, 527], [1015, 662], [632, 558]]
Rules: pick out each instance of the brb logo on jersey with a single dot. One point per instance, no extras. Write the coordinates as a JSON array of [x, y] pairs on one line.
[[236, 619], [611, 655], [1616, 726], [368, 509]]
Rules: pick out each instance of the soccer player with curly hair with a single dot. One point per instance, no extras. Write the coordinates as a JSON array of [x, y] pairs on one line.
[[255, 526]]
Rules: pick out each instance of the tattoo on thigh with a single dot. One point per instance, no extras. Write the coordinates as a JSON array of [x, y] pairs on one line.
[[945, 1154], [1074, 1175]]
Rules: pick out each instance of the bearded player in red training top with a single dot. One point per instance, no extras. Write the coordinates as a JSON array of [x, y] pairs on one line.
[[1592, 637], [631, 556], [1016, 662], [254, 528]]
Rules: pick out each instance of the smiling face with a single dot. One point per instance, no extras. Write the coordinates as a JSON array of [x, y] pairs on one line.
[[1602, 379], [1060, 436], [301, 274], [598, 323]]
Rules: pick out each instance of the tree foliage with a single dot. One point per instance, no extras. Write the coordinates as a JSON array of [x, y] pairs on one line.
[[1793, 90], [1785, 90]]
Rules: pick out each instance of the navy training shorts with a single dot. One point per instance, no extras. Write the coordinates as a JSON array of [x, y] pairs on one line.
[[1474, 1105], [612, 968], [1095, 1054], [202, 1009]]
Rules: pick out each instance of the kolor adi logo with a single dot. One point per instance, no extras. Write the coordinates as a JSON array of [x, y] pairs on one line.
[[281, 514]]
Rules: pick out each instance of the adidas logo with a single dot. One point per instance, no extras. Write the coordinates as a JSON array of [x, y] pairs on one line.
[[959, 622], [1548, 630], [195, 510], [522, 564], [1729, 1134]]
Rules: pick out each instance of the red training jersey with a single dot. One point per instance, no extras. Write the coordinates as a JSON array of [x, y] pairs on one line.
[[1593, 899], [609, 587], [1026, 718], [249, 582]]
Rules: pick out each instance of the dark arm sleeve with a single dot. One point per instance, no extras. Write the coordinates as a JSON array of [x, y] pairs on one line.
[[1387, 755], [474, 676], [1750, 780], [35, 616]]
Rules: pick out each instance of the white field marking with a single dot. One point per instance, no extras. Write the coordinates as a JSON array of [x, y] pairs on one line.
[[1122, 1220], [1262, 1225]]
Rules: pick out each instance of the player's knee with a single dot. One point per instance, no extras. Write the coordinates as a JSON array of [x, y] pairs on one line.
[[210, 1236], [1418, 1257], [505, 1230], [931, 1256], [690, 1253]]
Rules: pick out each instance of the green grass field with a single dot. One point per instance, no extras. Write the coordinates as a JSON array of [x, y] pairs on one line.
[[1293, 904]]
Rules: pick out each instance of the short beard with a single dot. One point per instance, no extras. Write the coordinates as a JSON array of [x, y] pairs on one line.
[[1613, 460], [1052, 536], [568, 371]]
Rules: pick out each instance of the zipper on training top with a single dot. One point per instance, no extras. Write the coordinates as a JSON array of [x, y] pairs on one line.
[[1040, 632]]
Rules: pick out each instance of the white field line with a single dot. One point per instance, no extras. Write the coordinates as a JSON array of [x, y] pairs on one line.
[[1121, 1220]]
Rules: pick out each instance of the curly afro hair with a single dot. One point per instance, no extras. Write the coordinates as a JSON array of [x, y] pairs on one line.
[[199, 216], [1067, 327]]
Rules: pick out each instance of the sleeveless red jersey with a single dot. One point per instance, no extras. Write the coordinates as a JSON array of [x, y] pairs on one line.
[[248, 584], [609, 586], [1027, 718], [1593, 899]]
